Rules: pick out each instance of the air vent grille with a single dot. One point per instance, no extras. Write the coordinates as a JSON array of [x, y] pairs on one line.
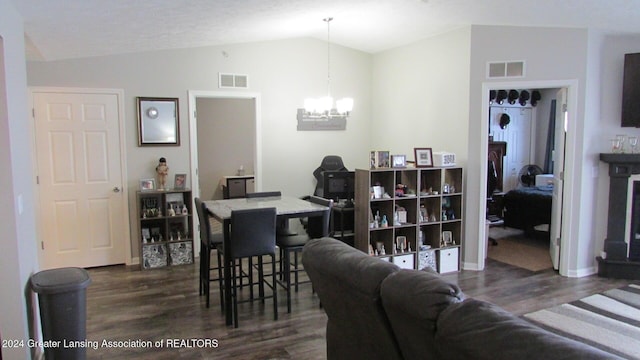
[[236, 81], [505, 69]]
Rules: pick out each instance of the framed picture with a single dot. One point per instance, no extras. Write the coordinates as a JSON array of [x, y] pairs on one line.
[[147, 184], [398, 161], [180, 181], [383, 159], [424, 157], [447, 238], [158, 121], [401, 243]]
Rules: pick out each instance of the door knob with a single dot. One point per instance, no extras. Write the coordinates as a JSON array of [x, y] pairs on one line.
[[116, 189]]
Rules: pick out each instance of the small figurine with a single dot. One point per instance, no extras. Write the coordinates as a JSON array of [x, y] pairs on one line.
[[163, 171]]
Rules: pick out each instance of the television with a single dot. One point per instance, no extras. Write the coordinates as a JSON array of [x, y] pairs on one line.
[[631, 91], [338, 185]]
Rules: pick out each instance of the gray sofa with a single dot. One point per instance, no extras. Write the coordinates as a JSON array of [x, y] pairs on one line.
[[377, 311]]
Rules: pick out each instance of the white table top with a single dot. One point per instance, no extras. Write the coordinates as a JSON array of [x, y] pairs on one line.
[[285, 205]]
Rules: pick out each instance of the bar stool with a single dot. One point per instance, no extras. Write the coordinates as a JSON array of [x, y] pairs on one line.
[[253, 233], [208, 242], [317, 227]]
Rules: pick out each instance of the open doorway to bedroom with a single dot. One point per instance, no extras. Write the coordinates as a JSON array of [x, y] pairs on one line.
[[520, 176]]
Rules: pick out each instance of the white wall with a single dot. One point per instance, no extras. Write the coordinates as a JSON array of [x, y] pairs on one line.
[[17, 243], [420, 96], [283, 72], [548, 59], [607, 121]]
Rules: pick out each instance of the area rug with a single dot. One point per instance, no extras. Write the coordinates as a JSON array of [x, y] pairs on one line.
[[609, 321], [518, 252]]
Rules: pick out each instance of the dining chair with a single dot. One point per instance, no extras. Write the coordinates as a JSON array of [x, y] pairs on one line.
[[209, 241], [253, 233], [282, 225], [317, 227]]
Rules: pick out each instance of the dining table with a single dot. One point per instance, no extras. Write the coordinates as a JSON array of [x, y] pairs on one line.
[[287, 207]]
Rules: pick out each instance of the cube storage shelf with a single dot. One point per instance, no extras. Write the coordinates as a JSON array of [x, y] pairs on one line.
[[430, 222], [166, 228]]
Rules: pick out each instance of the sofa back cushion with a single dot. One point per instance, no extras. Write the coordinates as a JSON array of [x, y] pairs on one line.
[[476, 329], [347, 282], [413, 301]]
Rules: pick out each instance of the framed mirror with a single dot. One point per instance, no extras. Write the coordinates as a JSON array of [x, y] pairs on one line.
[[158, 121]]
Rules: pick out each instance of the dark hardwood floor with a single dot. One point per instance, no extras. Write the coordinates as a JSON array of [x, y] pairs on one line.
[[126, 304]]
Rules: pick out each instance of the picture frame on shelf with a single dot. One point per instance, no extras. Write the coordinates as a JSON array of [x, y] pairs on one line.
[[401, 243], [180, 181], [146, 235], [158, 121], [398, 161], [423, 157], [147, 184], [447, 238], [383, 159], [379, 159]]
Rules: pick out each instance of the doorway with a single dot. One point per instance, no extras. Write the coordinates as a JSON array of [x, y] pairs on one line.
[[565, 240], [520, 176], [237, 140]]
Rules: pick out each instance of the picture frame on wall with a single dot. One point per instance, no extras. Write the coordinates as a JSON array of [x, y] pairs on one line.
[[398, 161], [147, 184], [423, 157], [180, 181], [158, 121]]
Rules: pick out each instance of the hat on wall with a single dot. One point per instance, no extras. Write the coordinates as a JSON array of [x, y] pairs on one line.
[[492, 96], [535, 97], [504, 120], [524, 96], [502, 94], [513, 96]]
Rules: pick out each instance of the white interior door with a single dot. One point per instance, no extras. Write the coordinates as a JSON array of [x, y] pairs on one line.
[[82, 202], [555, 229]]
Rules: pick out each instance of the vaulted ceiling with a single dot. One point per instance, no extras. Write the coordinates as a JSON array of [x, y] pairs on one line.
[[62, 29]]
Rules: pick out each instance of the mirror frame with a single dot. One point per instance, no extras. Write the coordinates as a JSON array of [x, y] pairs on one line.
[[157, 114]]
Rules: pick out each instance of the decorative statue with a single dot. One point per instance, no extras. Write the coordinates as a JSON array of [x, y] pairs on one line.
[[163, 170]]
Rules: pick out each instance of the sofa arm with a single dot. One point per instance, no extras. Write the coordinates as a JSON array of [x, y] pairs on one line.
[[479, 330]]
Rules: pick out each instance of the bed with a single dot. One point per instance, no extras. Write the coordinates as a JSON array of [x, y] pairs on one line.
[[527, 207]]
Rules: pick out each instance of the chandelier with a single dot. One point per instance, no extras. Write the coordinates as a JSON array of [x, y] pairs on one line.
[[323, 107]]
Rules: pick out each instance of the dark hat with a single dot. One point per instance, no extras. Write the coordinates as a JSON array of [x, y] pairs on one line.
[[504, 120], [513, 96], [492, 96], [524, 96], [502, 94], [535, 97], [162, 160]]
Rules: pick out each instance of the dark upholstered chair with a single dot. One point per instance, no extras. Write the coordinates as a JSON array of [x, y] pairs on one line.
[[317, 227], [208, 242], [329, 163], [261, 194], [347, 282], [253, 233], [283, 225]]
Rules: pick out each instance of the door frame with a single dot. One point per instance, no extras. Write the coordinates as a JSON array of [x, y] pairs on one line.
[[119, 93], [570, 222], [193, 139]]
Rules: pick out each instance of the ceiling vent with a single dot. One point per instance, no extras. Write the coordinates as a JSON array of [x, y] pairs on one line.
[[505, 69], [236, 81]]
